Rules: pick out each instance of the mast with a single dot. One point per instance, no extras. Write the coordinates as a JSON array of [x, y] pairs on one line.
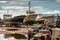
[[29, 10], [29, 5]]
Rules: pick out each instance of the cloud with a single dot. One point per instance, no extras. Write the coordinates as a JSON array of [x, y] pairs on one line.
[[57, 0], [37, 7], [3, 11], [13, 7], [17, 2], [13, 2], [51, 12], [21, 7], [3, 1]]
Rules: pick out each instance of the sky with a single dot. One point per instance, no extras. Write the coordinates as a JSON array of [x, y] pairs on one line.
[[19, 7]]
